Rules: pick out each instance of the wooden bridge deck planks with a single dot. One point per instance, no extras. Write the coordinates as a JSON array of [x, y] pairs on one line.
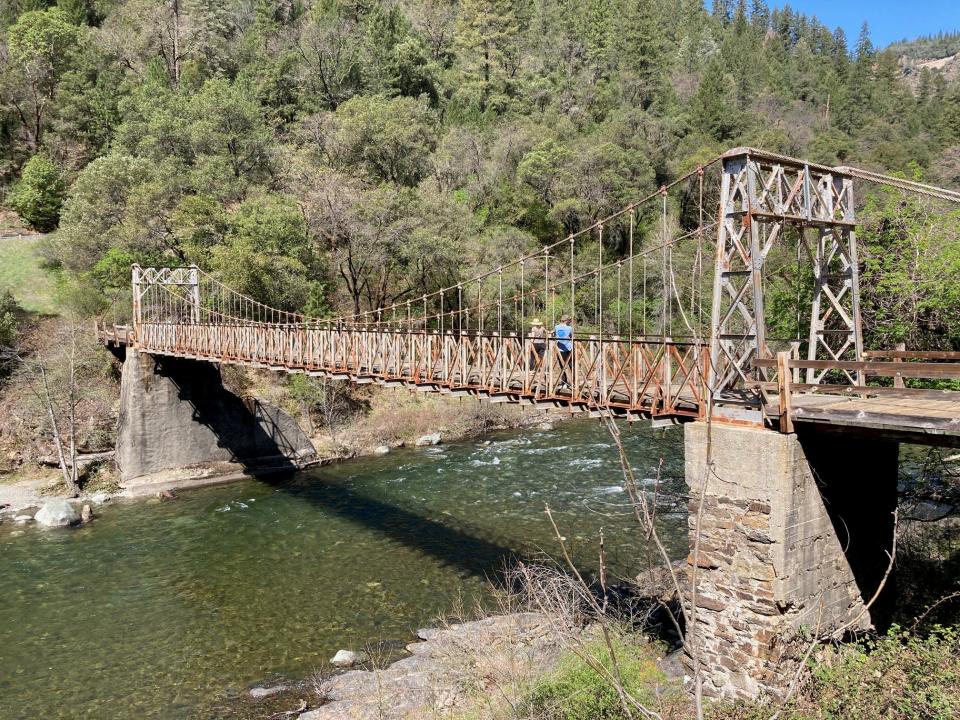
[[926, 419]]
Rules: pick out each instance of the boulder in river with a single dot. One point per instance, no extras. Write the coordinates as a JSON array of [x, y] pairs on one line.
[[430, 439], [20, 519], [57, 512], [86, 513], [347, 658], [381, 450]]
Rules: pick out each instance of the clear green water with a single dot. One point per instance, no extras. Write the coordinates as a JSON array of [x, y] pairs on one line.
[[172, 610]]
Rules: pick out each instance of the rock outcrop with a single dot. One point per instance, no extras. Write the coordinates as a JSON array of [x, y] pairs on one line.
[[442, 672], [176, 413], [347, 658]]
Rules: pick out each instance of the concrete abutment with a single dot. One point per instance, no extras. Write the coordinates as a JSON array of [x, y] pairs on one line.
[[794, 534], [175, 413]]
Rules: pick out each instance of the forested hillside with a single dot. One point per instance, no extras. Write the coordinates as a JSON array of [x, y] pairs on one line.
[[342, 154], [929, 47]]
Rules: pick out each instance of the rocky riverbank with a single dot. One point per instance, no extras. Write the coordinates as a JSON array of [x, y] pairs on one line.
[[445, 672]]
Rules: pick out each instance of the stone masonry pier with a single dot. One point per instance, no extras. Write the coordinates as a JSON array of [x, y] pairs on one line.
[[794, 535]]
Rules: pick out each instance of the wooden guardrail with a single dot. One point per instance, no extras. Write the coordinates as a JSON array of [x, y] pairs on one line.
[[901, 366]]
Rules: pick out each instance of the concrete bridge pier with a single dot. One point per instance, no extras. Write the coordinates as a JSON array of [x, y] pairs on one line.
[[794, 534], [176, 415]]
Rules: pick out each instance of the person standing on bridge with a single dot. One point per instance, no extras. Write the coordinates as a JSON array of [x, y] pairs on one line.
[[564, 334], [538, 336]]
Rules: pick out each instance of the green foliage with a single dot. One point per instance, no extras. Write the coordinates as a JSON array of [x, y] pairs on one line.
[[343, 155], [390, 139], [488, 39], [8, 320], [265, 252], [8, 331], [38, 195], [714, 108], [929, 47], [98, 212], [900, 676], [229, 139], [41, 41], [911, 274], [577, 690]]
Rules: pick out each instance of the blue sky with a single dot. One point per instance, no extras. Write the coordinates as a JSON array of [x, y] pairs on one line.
[[890, 20]]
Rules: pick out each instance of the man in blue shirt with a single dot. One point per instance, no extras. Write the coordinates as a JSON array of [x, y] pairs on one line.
[[564, 334]]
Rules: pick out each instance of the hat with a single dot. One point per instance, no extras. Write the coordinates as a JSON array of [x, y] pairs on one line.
[[536, 321], [564, 318]]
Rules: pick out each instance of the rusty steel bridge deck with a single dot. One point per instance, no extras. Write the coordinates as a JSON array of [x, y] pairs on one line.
[[643, 379], [646, 378]]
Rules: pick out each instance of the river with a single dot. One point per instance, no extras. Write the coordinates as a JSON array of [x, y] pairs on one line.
[[174, 609]]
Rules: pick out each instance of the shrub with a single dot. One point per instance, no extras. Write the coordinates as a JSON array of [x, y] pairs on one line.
[[896, 677], [8, 330], [575, 691]]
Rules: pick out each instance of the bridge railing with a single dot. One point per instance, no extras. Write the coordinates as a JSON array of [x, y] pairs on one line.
[[652, 375], [930, 365]]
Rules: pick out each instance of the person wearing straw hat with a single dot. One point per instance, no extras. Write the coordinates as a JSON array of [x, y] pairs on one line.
[[539, 337]]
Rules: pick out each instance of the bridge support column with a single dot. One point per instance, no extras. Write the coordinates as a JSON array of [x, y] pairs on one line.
[[794, 532], [176, 414]]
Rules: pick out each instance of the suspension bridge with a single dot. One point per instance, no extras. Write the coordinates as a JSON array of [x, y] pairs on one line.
[[668, 298], [731, 296]]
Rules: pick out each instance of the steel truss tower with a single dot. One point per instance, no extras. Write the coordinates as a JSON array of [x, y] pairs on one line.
[[761, 196]]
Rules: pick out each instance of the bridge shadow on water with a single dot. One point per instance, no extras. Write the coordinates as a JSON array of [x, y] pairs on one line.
[[449, 545], [263, 443]]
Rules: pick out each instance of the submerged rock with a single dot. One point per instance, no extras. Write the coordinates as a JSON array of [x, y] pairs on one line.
[[20, 519], [347, 658], [430, 439], [260, 692], [57, 513]]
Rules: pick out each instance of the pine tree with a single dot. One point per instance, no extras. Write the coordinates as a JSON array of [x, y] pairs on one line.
[[598, 37], [643, 54], [722, 11], [864, 44], [713, 107], [760, 15], [487, 35]]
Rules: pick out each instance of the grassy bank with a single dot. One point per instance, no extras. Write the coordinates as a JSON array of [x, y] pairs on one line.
[[22, 274]]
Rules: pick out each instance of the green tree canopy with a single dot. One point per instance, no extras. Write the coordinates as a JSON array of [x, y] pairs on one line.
[[38, 195]]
